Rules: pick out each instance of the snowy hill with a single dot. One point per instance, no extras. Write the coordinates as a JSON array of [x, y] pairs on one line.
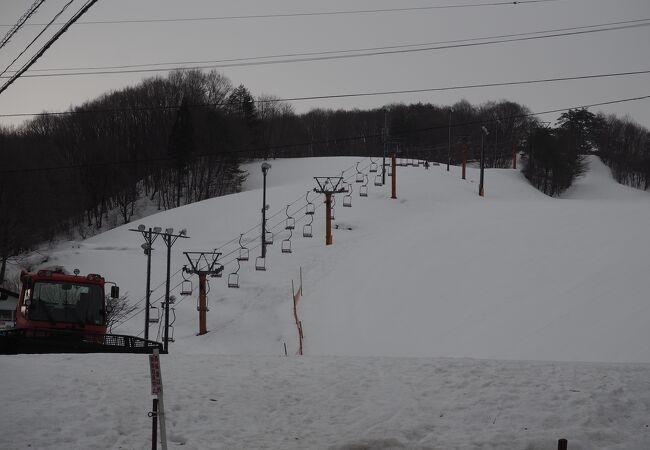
[[438, 273]]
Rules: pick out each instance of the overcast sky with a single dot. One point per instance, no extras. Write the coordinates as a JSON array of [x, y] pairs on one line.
[[99, 45]]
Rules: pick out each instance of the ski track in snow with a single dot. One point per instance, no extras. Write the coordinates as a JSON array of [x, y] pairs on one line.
[[392, 314]]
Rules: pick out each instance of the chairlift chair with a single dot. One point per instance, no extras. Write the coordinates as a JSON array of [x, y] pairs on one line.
[[171, 334], [260, 263], [233, 278], [154, 314], [378, 180], [359, 178], [186, 287], [286, 243], [290, 223], [390, 171], [373, 166], [363, 189], [347, 198], [243, 251], [307, 228], [309, 208], [218, 272], [268, 238]]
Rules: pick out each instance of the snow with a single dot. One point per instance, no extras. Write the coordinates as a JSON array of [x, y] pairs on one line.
[[421, 322], [266, 402]]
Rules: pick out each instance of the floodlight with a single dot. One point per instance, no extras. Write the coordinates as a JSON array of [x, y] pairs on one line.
[[141, 227], [183, 232], [157, 229], [169, 230], [485, 130], [265, 167]]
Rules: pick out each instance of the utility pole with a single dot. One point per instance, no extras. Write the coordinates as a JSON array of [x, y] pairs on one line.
[[203, 264], [149, 236], [465, 152], [169, 238], [481, 191], [449, 143], [394, 178], [329, 186], [496, 144]]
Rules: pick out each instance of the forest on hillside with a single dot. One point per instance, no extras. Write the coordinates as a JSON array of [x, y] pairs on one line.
[[181, 138]]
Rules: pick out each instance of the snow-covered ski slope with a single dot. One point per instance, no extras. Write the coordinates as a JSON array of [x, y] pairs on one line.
[[439, 274]]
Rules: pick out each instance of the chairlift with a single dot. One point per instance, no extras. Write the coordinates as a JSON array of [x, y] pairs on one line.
[[286, 243], [268, 238], [363, 189], [154, 314], [359, 178], [373, 166], [347, 198], [233, 278], [186, 285], [260, 263], [218, 271], [309, 208], [378, 180], [307, 228], [389, 172], [290, 223], [171, 334], [332, 208], [243, 251]]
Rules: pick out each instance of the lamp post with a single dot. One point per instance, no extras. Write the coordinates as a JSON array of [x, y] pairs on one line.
[[449, 143], [496, 144], [265, 169], [484, 132], [385, 136]]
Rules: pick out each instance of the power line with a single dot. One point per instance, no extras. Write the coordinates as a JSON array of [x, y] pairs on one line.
[[48, 44], [327, 56], [363, 138], [388, 47], [345, 95], [36, 38], [311, 14], [21, 21]]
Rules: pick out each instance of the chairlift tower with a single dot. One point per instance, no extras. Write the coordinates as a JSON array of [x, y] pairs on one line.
[[203, 264], [329, 186]]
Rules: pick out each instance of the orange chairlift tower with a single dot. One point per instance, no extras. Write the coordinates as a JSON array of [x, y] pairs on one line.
[[329, 186], [203, 264]]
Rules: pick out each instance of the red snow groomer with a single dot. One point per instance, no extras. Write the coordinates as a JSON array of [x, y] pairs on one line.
[[62, 313]]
